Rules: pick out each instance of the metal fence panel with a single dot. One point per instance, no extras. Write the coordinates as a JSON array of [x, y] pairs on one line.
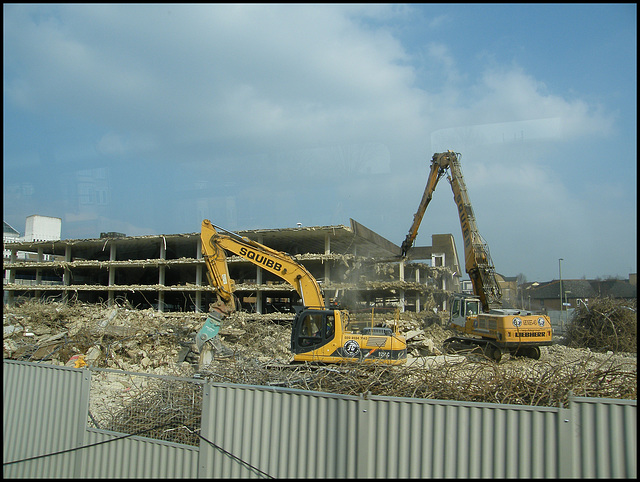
[[444, 439], [261, 431], [258, 431], [136, 457], [606, 438], [44, 410]]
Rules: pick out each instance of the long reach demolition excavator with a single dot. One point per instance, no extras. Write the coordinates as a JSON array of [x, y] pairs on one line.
[[319, 333], [483, 323]]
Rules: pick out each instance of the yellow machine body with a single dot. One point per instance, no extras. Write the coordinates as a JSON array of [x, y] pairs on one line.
[[319, 334]]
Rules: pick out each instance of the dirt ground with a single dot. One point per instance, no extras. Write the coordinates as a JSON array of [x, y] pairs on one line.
[[145, 341]]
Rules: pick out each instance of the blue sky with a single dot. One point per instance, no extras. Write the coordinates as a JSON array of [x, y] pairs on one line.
[[146, 119]]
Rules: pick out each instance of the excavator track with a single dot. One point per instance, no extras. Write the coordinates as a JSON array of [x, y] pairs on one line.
[[477, 346], [532, 352], [473, 346]]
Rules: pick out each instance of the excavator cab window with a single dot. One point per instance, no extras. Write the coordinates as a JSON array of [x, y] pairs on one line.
[[455, 309], [313, 328], [311, 324], [472, 308]]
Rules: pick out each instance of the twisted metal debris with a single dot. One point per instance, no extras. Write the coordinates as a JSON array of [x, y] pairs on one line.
[[594, 365]]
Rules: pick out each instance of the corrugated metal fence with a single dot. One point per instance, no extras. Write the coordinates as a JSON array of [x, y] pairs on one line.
[[253, 432]]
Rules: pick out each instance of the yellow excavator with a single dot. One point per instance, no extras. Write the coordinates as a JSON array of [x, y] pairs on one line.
[[484, 325], [319, 333]]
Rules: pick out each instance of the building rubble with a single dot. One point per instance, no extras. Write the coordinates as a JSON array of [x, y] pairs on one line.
[[145, 341]]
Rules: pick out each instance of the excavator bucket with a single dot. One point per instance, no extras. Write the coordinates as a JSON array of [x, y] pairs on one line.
[[209, 330]]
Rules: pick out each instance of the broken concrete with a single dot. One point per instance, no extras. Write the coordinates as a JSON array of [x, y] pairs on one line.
[[354, 262]]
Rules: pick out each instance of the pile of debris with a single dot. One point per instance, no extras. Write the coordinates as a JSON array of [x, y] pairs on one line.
[[78, 334], [605, 324], [165, 409], [145, 341], [522, 381]]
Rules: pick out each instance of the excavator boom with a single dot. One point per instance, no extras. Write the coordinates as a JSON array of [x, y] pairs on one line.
[[492, 329], [437, 171], [319, 334], [281, 264], [478, 264]]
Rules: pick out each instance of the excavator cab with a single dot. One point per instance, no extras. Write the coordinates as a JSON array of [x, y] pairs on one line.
[[312, 329], [463, 308], [323, 336]]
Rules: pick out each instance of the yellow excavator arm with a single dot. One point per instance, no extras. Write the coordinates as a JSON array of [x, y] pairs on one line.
[[215, 260], [437, 171], [478, 264], [319, 333], [281, 264]]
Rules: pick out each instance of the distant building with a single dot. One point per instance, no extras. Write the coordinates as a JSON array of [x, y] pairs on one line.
[[509, 288], [466, 287], [546, 295], [37, 229], [42, 228], [9, 235]]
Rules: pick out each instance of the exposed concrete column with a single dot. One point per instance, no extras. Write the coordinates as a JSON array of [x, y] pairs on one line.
[[418, 293], [259, 298], [161, 274], [11, 272], [327, 266], [199, 269], [445, 305], [112, 275], [402, 300], [11, 276], [39, 271], [66, 277]]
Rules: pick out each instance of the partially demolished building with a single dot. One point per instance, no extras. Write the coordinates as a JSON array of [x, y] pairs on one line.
[[356, 267]]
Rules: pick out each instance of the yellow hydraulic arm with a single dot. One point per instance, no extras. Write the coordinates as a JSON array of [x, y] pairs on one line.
[[214, 245], [478, 264], [218, 272], [439, 165], [281, 264], [319, 333]]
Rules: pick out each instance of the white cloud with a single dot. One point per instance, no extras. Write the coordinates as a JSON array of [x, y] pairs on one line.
[[322, 96], [111, 144], [438, 21], [512, 95], [216, 72], [269, 75], [445, 63]]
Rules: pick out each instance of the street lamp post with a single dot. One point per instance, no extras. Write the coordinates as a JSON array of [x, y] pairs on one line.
[[560, 274]]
